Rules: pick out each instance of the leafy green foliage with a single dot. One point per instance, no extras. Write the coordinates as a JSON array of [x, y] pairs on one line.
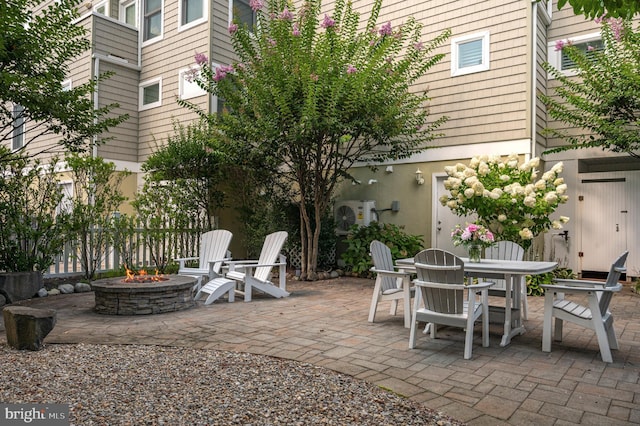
[[604, 101], [534, 281], [31, 230], [35, 52], [598, 8], [309, 97], [357, 258], [97, 195], [192, 165]]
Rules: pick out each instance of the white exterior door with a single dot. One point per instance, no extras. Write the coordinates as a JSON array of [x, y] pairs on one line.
[[603, 206], [445, 220]]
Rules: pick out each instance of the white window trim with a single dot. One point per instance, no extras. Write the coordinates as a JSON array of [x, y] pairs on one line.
[[142, 28], [205, 14], [67, 85], [484, 66], [554, 57], [104, 3], [121, 11], [145, 84], [188, 90]]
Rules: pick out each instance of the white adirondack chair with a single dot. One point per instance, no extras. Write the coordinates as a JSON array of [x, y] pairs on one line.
[[390, 284], [256, 275], [440, 288], [508, 250], [214, 250], [596, 316]]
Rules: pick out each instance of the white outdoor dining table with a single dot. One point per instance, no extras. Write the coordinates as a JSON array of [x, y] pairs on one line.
[[509, 270]]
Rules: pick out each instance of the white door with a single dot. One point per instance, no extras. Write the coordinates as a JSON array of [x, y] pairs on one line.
[[604, 222], [444, 221]]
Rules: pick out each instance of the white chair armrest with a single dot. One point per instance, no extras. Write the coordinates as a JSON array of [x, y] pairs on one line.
[[390, 273], [576, 289], [258, 265], [481, 285], [182, 260], [577, 283]]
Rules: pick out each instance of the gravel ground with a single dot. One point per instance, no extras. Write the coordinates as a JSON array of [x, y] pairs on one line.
[[153, 385]]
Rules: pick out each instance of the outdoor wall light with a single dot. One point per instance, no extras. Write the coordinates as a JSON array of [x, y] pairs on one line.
[[419, 178]]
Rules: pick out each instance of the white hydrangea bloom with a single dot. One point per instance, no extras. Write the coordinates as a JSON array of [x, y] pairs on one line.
[[529, 201], [557, 168], [525, 234], [469, 192], [502, 217], [556, 224], [551, 197], [561, 189], [564, 219]]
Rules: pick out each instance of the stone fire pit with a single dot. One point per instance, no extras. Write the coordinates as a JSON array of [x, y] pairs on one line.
[[113, 296]]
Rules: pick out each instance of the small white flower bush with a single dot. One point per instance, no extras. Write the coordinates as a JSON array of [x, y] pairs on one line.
[[510, 199]]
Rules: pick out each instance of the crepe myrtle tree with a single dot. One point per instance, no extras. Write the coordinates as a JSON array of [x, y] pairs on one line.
[[35, 51], [311, 95], [603, 100], [598, 8]]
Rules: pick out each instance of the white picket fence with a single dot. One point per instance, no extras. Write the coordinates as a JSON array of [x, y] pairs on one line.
[[172, 244]]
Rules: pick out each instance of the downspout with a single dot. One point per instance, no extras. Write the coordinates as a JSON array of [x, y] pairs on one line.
[[96, 103], [534, 77]]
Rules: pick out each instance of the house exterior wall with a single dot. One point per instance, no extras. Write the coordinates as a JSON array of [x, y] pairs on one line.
[[494, 112]]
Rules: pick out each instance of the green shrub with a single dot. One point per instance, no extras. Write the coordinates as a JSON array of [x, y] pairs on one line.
[[534, 281], [357, 258]]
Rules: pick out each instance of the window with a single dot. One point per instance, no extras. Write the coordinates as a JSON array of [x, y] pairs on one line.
[[152, 19], [559, 59], [241, 12], [150, 94], [470, 54], [129, 12], [188, 87], [17, 140], [192, 12], [66, 85], [102, 8], [66, 203]]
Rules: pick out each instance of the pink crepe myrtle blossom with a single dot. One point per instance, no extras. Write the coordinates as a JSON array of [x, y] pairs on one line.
[[590, 48], [351, 69], [560, 45], [386, 29], [201, 58], [328, 22], [272, 42], [295, 31], [313, 77], [233, 28], [286, 15], [221, 72], [418, 46], [256, 4]]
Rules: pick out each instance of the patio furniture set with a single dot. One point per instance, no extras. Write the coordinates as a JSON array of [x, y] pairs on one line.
[[217, 274], [451, 291]]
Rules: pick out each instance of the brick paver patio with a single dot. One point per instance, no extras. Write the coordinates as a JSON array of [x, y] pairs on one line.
[[325, 323]]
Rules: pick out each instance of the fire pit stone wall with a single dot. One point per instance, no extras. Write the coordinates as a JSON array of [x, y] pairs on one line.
[[115, 297]]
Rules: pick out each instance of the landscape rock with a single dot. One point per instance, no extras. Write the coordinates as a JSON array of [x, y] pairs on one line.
[[27, 327], [54, 292], [20, 285], [42, 292], [66, 288], [82, 288]]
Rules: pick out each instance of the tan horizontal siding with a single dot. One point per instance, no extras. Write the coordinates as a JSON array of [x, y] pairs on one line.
[[116, 39]]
